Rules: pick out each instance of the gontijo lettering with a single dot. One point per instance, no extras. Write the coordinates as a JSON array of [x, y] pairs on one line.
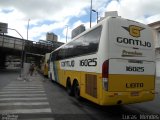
[[68, 63], [133, 42]]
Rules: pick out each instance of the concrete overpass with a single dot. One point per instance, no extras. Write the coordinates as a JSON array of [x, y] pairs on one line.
[[33, 50]]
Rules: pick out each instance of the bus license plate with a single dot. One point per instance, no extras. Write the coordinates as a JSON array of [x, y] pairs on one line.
[[134, 93]]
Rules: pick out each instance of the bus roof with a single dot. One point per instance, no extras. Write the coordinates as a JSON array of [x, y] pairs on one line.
[[100, 23]]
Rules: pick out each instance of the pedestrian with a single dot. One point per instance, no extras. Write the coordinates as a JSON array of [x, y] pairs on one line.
[[35, 70], [31, 69]]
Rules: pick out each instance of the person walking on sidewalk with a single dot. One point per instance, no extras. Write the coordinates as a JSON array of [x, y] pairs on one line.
[[31, 69]]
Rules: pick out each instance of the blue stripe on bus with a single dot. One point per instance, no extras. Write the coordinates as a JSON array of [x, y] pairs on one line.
[[55, 71]]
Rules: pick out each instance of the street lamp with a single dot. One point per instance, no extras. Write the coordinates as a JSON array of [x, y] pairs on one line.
[[23, 49], [66, 32], [5, 27], [28, 28], [91, 14], [97, 14]]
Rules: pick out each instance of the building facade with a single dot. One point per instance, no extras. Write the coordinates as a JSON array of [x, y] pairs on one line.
[[156, 35], [51, 37]]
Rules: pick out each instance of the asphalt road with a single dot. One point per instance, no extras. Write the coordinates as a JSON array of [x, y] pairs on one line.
[[39, 99]]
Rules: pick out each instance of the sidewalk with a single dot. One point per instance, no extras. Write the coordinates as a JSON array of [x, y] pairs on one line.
[[35, 77], [25, 73]]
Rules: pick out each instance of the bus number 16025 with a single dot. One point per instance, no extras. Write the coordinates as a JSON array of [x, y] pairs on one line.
[[88, 62]]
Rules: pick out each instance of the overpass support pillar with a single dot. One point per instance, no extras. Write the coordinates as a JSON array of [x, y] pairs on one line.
[[2, 60]]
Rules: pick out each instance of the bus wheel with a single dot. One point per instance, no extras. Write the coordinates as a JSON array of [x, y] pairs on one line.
[[69, 88], [77, 90]]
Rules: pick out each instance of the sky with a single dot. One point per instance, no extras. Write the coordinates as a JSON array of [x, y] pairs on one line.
[[59, 15]]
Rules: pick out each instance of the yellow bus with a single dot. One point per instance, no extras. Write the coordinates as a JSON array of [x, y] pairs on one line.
[[44, 64], [110, 64]]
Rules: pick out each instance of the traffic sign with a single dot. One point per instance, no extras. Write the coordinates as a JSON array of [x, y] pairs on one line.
[[3, 27]]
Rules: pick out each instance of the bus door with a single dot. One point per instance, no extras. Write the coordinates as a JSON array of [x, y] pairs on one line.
[[55, 71], [53, 68]]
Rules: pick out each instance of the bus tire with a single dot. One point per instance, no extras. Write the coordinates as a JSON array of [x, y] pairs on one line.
[[69, 87], [77, 90]]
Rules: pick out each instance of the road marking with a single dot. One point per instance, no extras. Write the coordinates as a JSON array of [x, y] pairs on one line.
[[27, 86], [21, 81], [22, 89], [24, 103], [24, 97], [18, 95], [24, 85], [37, 98], [20, 86], [44, 110], [27, 83], [40, 119], [12, 92]]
